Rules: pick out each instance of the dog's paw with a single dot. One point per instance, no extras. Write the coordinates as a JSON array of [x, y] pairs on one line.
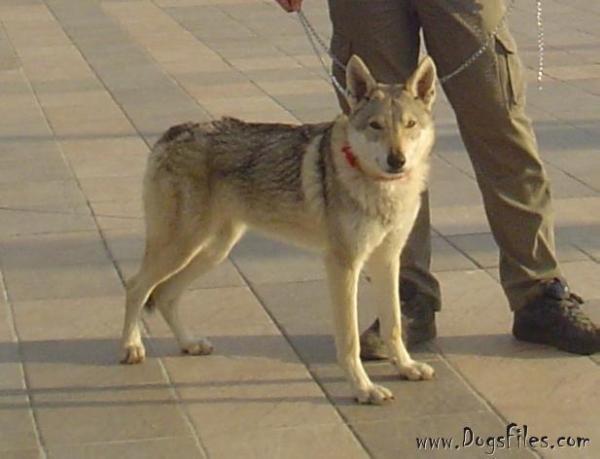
[[416, 371], [200, 347], [374, 395], [133, 353]]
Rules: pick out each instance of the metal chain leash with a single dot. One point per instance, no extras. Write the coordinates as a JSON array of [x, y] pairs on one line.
[[540, 42], [315, 40], [486, 45]]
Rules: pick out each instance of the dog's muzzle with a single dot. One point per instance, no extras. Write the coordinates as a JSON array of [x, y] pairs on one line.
[[395, 162]]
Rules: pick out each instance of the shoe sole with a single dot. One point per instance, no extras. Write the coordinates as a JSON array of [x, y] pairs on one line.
[[373, 356]]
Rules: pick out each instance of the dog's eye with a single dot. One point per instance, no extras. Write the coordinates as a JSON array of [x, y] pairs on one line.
[[411, 124], [375, 125]]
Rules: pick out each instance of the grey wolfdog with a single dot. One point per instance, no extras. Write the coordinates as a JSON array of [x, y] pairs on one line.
[[350, 188]]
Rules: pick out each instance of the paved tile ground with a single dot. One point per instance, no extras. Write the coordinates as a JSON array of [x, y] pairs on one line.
[[87, 86]]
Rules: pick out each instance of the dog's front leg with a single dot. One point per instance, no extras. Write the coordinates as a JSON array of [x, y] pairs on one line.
[[384, 269], [343, 281]]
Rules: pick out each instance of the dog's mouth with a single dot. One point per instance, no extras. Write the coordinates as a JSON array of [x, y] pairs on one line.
[[381, 175], [391, 176], [386, 175]]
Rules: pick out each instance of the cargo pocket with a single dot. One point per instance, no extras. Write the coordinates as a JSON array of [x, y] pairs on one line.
[[509, 69]]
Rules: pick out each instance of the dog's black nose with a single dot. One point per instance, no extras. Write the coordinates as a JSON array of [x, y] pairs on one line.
[[396, 161]]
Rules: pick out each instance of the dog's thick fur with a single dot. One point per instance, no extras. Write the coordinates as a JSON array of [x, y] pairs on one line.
[[349, 188]]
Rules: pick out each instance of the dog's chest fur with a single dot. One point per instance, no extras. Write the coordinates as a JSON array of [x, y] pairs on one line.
[[368, 212]]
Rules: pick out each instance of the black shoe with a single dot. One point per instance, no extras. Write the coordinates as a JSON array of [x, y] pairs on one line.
[[418, 321], [372, 346], [556, 319], [418, 327]]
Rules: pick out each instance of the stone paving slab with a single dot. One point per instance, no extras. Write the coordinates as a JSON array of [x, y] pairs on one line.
[[87, 87]]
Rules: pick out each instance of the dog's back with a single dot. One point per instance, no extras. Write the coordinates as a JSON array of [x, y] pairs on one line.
[[250, 171]]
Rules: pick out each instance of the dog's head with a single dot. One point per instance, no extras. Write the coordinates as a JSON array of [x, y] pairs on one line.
[[390, 127]]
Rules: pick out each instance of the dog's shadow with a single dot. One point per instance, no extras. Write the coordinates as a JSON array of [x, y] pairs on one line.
[[313, 349], [79, 361], [105, 351], [76, 355]]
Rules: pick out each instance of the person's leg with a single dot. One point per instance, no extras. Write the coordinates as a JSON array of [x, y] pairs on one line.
[[385, 34], [488, 99]]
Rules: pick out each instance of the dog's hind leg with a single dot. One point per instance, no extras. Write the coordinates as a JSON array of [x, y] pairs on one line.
[[166, 295], [384, 270], [162, 260]]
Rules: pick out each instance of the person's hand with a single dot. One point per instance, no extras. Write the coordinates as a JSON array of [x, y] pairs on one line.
[[290, 5]]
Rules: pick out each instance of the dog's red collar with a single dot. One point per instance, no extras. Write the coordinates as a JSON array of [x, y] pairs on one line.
[[350, 156]]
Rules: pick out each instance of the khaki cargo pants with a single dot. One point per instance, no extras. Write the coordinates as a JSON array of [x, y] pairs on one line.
[[488, 100]]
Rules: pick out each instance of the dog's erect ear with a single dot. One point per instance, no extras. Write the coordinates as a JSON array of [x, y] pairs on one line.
[[359, 80], [422, 82]]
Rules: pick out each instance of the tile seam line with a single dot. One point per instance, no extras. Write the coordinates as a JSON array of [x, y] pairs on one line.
[[10, 307], [24, 379], [324, 279], [577, 179], [478, 265], [184, 412], [121, 442], [454, 166], [72, 232], [588, 91], [361, 422], [41, 444], [313, 375], [584, 251], [43, 211], [183, 27], [50, 233]]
